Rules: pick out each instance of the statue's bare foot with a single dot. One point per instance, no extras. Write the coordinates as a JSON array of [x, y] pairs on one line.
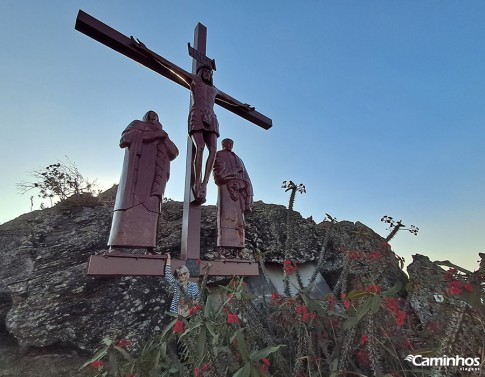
[[199, 195], [199, 200]]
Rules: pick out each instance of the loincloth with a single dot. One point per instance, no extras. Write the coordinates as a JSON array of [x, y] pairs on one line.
[[202, 120]]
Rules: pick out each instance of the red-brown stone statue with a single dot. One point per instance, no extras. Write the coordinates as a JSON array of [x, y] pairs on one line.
[[235, 196], [146, 170], [203, 129]]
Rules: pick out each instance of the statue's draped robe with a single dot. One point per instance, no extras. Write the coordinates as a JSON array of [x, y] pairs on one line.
[[146, 170], [235, 196]]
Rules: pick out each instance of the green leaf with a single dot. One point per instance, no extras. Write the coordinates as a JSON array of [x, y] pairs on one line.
[[393, 291], [113, 362], [335, 371], [168, 328], [163, 350], [357, 294], [376, 302], [210, 305], [244, 371], [313, 305], [255, 372], [241, 344], [201, 343], [189, 329], [362, 310], [97, 356], [124, 353], [211, 329], [108, 341], [172, 314], [261, 354]]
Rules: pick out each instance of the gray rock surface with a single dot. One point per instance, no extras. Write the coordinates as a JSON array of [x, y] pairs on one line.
[[427, 289], [47, 302]]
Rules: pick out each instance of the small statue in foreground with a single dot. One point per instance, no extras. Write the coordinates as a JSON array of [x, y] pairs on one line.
[[146, 170], [235, 196]]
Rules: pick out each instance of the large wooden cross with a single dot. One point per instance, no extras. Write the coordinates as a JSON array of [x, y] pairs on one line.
[[116, 264]]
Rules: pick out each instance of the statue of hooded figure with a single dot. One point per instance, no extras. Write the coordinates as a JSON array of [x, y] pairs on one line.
[[146, 170]]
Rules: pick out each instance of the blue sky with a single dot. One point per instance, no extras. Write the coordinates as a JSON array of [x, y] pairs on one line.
[[378, 107]]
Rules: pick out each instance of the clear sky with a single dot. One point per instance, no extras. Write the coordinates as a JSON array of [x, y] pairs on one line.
[[378, 107]]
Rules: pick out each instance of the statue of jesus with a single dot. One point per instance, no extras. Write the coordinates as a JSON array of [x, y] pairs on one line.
[[203, 127]]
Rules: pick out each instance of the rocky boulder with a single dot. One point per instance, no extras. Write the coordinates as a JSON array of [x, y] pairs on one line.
[[47, 301]]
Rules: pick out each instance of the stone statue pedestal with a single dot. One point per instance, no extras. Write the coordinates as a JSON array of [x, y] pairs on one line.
[[120, 264]]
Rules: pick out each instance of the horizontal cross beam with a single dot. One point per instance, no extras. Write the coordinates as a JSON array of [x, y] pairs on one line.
[[110, 37]]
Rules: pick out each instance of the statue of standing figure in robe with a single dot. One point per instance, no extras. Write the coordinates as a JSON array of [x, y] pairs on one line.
[[235, 196], [146, 170]]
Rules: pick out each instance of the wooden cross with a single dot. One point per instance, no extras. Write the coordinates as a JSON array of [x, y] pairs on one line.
[[116, 264]]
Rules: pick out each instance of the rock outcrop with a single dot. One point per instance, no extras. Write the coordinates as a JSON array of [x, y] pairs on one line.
[[47, 304]]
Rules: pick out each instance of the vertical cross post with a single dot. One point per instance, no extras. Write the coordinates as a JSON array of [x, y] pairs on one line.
[[190, 245]]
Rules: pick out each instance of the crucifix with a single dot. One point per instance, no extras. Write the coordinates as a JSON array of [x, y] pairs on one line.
[[203, 97]]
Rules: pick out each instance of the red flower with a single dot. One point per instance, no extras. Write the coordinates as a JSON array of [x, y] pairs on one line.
[[448, 276], [301, 309], [232, 318], [206, 367], [391, 304], [407, 344], [195, 309], [275, 297], [400, 318], [288, 267], [453, 291], [306, 316], [375, 255], [468, 287], [97, 364], [197, 372], [362, 358], [331, 302], [346, 304], [363, 340], [178, 328], [374, 289], [456, 284], [355, 255], [454, 287], [123, 343], [264, 368]]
